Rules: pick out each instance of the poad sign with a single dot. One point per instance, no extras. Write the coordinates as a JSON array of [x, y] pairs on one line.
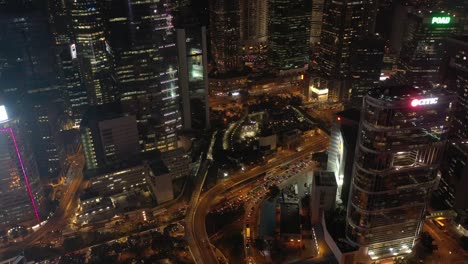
[[441, 20]]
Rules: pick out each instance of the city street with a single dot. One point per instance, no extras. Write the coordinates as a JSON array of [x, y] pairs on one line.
[[449, 250], [197, 237]]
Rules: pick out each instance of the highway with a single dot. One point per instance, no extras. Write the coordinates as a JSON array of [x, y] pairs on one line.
[[449, 249], [197, 237], [65, 210]]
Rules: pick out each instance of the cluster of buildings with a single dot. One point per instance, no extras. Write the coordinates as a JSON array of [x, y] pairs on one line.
[[406, 145], [120, 78]]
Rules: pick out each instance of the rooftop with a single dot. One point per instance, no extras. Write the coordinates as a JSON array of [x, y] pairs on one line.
[[406, 92], [290, 220], [324, 178], [101, 113], [352, 114]]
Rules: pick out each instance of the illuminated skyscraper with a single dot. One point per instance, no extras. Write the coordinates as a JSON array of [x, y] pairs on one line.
[[143, 41], [193, 72], [422, 49], [288, 33], [66, 56], [400, 145], [366, 62], [343, 21], [316, 21], [92, 50], [253, 20], [20, 191], [225, 34]]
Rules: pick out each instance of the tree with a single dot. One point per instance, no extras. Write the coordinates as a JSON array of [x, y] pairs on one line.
[[427, 241]]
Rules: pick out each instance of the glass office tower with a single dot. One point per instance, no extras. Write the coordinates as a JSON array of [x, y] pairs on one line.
[[20, 190], [401, 139]]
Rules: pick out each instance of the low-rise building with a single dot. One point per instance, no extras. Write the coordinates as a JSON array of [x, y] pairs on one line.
[[322, 194], [177, 162], [290, 224]]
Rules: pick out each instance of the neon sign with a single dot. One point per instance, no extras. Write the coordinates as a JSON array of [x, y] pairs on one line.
[[9, 130], [427, 101], [441, 20], [3, 114]]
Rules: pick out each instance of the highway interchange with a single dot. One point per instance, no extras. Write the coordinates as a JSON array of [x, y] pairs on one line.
[[200, 246]]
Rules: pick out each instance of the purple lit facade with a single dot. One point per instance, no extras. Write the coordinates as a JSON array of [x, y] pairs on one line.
[[20, 189]]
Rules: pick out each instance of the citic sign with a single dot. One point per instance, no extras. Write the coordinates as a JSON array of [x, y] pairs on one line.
[[441, 20], [426, 101]]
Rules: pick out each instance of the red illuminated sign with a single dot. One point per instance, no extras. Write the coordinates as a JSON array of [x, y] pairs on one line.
[[426, 101]]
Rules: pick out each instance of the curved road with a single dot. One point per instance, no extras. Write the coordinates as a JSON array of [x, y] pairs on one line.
[[197, 236]]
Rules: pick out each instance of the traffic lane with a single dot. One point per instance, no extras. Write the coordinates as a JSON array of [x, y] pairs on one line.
[[204, 204]]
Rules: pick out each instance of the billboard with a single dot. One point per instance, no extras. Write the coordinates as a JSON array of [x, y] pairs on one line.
[[3, 114], [73, 51]]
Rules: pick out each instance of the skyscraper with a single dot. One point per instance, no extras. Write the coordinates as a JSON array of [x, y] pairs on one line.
[[253, 20], [143, 41], [26, 57], [422, 49], [316, 21], [288, 33], [454, 75], [66, 57], [400, 144], [343, 21], [193, 72], [225, 34], [92, 50], [366, 62], [44, 110], [20, 192]]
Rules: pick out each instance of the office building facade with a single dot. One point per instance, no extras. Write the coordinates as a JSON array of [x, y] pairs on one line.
[[193, 75], [225, 35], [343, 21], [68, 68], [27, 60], [21, 197], [108, 136], [288, 34], [366, 63], [143, 42], [400, 144], [422, 49], [454, 76], [92, 50]]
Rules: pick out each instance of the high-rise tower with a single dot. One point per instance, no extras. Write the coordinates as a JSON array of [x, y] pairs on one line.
[[225, 34], [288, 33], [343, 21], [422, 50], [20, 192], [143, 41], [92, 50], [400, 144]]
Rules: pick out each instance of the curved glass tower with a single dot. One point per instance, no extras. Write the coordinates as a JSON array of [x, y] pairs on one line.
[[401, 140]]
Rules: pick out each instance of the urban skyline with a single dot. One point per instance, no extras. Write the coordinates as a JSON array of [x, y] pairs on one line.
[[233, 131]]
